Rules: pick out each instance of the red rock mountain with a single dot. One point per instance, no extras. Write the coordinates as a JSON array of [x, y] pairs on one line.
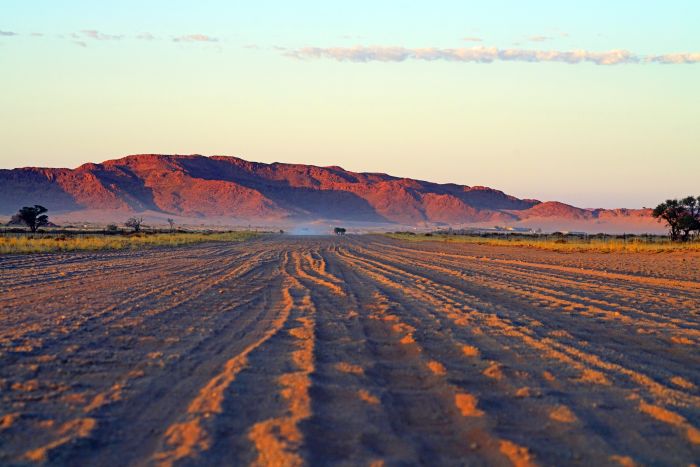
[[228, 187]]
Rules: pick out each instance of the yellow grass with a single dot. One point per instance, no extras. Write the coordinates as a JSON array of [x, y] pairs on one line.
[[46, 244], [573, 244]]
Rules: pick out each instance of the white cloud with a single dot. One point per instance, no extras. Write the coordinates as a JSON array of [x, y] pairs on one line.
[[472, 39], [485, 55], [195, 38], [539, 38], [98, 36], [472, 54], [675, 58]]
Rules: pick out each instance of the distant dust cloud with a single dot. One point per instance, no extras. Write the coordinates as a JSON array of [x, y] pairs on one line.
[[308, 229]]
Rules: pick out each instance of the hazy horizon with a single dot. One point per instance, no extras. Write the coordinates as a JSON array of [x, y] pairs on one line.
[[594, 106]]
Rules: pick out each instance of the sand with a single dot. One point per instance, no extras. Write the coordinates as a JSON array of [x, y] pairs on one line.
[[355, 350]]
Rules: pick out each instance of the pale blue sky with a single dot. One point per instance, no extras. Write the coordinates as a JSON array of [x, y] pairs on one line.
[[263, 81]]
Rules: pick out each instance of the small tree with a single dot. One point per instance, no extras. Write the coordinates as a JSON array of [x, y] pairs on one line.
[[33, 217], [339, 230], [682, 216], [171, 222], [134, 223]]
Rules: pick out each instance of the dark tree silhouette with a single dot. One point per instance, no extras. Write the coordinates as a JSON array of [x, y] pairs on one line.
[[172, 224], [682, 216], [339, 230], [691, 221], [33, 217], [134, 223]]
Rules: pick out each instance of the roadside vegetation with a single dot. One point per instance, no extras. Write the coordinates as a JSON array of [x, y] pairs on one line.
[[16, 239], [49, 243], [564, 243], [682, 217]]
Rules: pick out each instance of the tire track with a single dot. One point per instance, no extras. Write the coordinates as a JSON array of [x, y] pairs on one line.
[[279, 440], [189, 437]]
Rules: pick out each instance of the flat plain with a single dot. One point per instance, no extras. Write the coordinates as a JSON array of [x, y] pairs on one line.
[[357, 350]]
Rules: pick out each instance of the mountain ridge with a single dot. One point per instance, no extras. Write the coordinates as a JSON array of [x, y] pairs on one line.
[[228, 187]]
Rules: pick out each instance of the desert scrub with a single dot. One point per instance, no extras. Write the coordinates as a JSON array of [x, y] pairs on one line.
[[563, 244], [51, 243]]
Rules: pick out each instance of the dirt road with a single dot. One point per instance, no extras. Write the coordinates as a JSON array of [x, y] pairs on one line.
[[355, 350]]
